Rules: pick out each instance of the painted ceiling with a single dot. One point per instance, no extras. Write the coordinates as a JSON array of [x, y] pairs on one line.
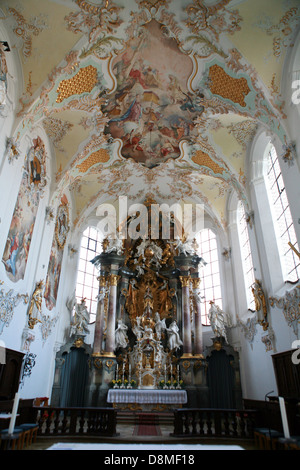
[[150, 97]]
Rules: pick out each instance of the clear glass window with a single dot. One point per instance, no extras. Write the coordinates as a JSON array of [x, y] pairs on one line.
[[283, 222], [246, 255], [210, 274], [87, 283]]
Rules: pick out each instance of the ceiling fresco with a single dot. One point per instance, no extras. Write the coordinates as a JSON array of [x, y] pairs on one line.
[[157, 98], [152, 109]]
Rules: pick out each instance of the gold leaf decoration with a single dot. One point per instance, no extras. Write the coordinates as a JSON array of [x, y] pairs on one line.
[[84, 81], [100, 156]]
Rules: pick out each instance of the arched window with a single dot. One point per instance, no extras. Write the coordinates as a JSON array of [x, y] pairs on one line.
[[87, 285], [210, 274], [246, 254], [283, 222]]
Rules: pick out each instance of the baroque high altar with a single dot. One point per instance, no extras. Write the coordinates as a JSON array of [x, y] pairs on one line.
[[148, 329], [148, 325]]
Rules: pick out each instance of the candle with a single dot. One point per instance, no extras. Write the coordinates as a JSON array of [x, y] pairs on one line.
[[13, 414], [285, 424]]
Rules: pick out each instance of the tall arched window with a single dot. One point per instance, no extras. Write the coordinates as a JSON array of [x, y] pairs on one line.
[[283, 222], [87, 285], [246, 254], [210, 274]]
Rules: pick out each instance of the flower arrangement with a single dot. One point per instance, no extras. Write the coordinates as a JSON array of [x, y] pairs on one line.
[[170, 384], [123, 384]]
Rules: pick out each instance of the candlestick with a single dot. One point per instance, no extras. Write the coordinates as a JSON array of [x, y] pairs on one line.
[[13, 414]]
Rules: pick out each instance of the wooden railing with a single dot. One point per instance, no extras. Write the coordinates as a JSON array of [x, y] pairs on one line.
[[53, 421], [221, 423]]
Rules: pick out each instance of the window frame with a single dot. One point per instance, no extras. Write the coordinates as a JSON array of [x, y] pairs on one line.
[[280, 209]]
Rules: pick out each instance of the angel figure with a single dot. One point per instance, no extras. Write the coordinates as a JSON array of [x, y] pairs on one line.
[[114, 244], [185, 246], [167, 257]]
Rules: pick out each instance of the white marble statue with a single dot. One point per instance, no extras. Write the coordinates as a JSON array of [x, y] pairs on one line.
[[121, 339], [115, 244], [219, 320], [174, 341], [102, 294], [138, 329], [186, 247], [160, 325], [80, 319], [156, 250]]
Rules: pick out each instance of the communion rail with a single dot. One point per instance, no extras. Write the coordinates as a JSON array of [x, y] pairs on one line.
[[53, 421], [209, 422]]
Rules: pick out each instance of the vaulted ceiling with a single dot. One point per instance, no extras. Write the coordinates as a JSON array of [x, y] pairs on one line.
[[150, 97]]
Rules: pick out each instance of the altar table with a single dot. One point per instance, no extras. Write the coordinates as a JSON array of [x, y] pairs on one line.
[[146, 399]]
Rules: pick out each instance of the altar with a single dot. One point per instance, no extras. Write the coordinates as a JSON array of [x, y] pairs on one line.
[[146, 400]]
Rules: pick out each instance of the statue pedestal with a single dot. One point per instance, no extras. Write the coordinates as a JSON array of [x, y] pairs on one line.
[[193, 375], [103, 371]]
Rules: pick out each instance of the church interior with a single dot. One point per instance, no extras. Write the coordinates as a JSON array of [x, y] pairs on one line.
[[149, 223]]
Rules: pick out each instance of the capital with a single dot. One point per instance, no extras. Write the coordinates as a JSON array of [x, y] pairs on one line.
[[196, 281], [102, 281], [114, 278], [185, 281]]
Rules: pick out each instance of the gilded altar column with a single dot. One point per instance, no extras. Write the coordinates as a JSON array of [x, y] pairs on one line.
[[186, 317], [111, 317], [198, 339], [100, 316]]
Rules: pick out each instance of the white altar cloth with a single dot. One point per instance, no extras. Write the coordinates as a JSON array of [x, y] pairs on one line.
[[149, 396]]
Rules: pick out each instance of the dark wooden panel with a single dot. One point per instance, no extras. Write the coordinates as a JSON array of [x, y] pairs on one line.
[[10, 374], [287, 375]]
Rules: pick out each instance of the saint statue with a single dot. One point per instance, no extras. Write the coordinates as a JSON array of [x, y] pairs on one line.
[[35, 304], [218, 320], [121, 339], [80, 320], [174, 341], [260, 303], [138, 329], [159, 325]]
